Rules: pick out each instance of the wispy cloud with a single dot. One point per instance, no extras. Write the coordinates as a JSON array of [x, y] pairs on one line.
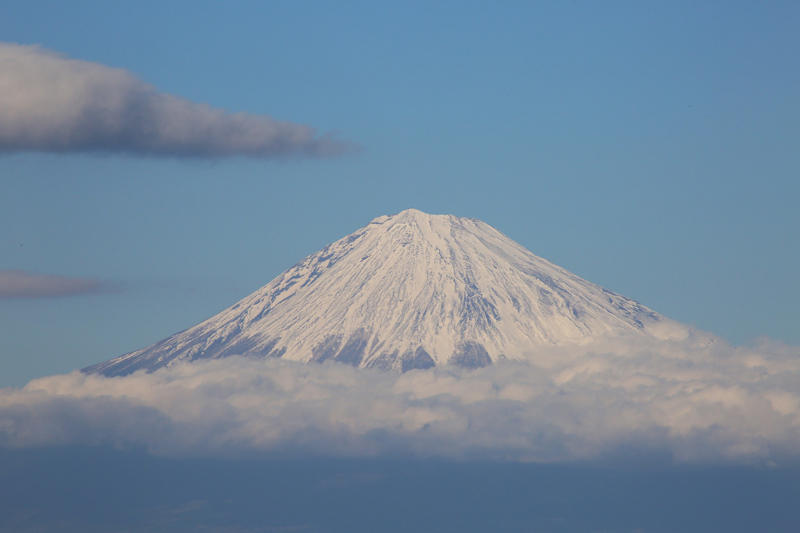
[[22, 284], [52, 103], [691, 402]]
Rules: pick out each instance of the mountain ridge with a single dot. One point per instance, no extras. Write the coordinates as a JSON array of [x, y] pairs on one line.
[[410, 291]]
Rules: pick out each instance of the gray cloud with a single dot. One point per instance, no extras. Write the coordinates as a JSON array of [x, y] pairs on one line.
[[56, 104], [689, 401], [22, 284]]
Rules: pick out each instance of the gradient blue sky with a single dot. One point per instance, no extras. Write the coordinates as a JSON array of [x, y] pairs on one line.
[[648, 147]]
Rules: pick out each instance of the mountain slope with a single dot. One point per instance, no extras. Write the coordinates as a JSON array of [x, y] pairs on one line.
[[409, 291]]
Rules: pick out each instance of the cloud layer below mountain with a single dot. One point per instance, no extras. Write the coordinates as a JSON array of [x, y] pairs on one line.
[[685, 402], [51, 103]]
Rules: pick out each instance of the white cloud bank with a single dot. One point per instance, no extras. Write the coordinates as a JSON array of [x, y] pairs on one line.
[[690, 403], [52, 103], [23, 284]]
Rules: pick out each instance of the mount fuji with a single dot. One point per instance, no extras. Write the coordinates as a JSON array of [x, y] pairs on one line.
[[410, 291]]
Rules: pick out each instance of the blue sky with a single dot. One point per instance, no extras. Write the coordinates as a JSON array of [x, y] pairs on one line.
[[650, 148]]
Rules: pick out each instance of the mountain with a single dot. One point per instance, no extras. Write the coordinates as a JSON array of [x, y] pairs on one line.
[[410, 291]]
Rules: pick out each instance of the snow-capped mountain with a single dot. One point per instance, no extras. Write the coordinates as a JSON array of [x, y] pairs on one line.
[[410, 291]]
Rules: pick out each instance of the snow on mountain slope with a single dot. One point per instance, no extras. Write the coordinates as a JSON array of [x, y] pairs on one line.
[[409, 291]]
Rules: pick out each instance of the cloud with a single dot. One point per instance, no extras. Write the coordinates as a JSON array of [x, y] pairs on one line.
[[52, 103], [682, 401], [21, 284]]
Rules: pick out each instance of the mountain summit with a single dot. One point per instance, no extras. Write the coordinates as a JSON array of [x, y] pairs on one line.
[[409, 291]]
